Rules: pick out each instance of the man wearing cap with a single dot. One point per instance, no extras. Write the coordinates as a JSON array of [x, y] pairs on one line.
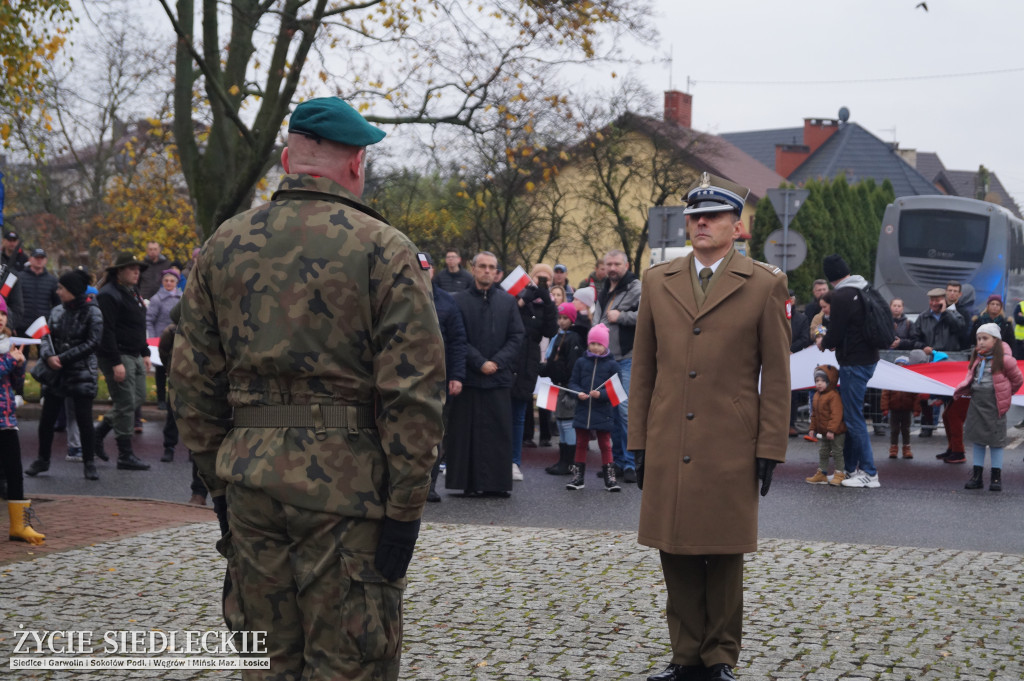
[[709, 325], [308, 380], [38, 290], [561, 278], [123, 356], [12, 255], [940, 326], [857, 358]]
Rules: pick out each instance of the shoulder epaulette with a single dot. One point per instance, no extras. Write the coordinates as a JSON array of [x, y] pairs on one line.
[[771, 268], [663, 262]]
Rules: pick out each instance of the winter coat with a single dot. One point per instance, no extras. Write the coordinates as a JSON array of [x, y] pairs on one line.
[[827, 407], [124, 323], [76, 329], [939, 334], [38, 296], [12, 379], [540, 320], [588, 373], [695, 407], [158, 313], [151, 276], [904, 330], [454, 282], [626, 299], [494, 332], [453, 331], [898, 400], [801, 329], [846, 333], [565, 349], [1005, 383], [1005, 328]]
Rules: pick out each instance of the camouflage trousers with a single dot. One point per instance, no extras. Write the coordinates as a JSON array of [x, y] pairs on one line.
[[307, 579]]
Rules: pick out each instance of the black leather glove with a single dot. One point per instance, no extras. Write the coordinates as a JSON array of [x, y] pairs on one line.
[[765, 468], [220, 507], [638, 459], [394, 552]]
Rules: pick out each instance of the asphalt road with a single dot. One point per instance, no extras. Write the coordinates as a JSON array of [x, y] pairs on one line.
[[921, 502]]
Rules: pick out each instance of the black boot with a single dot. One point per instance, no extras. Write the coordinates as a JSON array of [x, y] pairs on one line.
[[101, 430], [610, 484], [432, 495], [565, 456], [168, 456], [126, 459], [36, 467], [89, 469], [996, 482], [975, 481], [579, 470]]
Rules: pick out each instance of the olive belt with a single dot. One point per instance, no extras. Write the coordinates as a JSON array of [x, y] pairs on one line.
[[318, 417]]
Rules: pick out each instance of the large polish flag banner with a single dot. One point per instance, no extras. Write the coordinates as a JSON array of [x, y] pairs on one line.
[[38, 329], [516, 281], [616, 392], [547, 396], [9, 280]]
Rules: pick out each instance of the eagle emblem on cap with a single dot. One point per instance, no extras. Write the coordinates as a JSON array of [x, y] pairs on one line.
[[705, 180]]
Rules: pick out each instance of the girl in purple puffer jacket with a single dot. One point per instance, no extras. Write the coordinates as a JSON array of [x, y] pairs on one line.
[[992, 379]]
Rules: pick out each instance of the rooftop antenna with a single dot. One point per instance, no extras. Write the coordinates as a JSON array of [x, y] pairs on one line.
[[670, 64]]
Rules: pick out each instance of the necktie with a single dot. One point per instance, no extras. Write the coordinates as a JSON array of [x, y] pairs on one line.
[[705, 276]]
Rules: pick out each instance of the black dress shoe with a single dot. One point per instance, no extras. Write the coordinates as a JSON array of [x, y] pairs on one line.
[[679, 672], [720, 672]]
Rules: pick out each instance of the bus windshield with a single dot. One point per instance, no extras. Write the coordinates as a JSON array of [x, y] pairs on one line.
[[943, 235]]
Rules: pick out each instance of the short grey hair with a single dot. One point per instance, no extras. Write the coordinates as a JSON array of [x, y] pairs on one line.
[[615, 253], [473, 261]]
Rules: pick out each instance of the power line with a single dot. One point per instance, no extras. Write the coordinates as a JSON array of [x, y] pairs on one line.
[[895, 79]]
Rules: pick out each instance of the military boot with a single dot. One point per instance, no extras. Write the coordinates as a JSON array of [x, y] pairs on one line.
[[126, 459], [996, 482], [565, 457], [975, 482], [101, 430]]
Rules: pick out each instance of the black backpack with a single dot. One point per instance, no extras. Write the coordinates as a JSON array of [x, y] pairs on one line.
[[878, 328]]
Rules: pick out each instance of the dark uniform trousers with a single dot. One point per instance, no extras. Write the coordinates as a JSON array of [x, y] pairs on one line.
[[704, 607], [307, 579]]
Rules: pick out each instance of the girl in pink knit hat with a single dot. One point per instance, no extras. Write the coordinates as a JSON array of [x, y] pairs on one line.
[[594, 410]]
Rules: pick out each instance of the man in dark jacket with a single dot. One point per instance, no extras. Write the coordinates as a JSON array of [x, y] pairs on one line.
[[453, 278], [857, 358], [149, 280], [540, 320], [453, 332], [478, 445], [12, 254], [123, 356], [941, 326], [38, 290]]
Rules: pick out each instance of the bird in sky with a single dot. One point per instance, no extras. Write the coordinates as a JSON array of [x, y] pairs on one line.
[[922, 5]]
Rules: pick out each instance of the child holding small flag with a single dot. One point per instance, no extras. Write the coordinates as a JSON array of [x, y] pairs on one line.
[[560, 358], [591, 376]]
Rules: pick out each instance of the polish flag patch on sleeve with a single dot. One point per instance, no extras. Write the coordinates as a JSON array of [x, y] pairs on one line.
[[424, 261]]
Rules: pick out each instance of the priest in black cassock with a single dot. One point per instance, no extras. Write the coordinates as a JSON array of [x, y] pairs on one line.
[[478, 442]]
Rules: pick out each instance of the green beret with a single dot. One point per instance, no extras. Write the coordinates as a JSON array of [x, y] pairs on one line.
[[332, 119]]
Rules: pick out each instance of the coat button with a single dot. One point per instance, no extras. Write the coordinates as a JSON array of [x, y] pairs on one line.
[[689, 417], [696, 331], [693, 374], [686, 459]]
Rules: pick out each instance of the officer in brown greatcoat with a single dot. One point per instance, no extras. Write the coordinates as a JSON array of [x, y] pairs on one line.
[[710, 326]]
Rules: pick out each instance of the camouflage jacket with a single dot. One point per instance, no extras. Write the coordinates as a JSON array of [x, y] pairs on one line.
[[308, 300]]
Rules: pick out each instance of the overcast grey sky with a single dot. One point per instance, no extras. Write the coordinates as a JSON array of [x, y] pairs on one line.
[[807, 58]]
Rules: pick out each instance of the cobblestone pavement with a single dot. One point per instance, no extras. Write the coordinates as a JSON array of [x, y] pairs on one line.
[[518, 604]]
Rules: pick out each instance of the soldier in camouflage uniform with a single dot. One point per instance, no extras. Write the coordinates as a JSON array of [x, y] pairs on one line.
[[308, 380]]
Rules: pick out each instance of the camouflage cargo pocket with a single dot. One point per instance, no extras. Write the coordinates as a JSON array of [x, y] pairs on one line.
[[231, 599], [371, 613]]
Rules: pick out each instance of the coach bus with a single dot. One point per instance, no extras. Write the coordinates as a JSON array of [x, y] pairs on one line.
[[927, 241]]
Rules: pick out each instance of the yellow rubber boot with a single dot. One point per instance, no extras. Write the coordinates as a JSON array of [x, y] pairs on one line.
[[21, 523]]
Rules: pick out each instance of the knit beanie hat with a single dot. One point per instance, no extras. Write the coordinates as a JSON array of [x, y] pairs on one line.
[[74, 281], [569, 310], [585, 295], [901, 360], [991, 329], [918, 356], [835, 267], [3, 305], [822, 374], [994, 296], [598, 334]]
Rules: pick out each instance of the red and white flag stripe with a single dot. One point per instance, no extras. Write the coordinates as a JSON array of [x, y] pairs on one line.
[[516, 281], [547, 396], [616, 392], [38, 329], [8, 284]]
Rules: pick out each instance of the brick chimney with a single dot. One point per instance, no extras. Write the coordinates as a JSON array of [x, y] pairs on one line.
[[679, 108], [788, 157], [817, 131]]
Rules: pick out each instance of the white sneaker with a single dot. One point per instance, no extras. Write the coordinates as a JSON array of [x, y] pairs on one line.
[[862, 479], [516, 473]]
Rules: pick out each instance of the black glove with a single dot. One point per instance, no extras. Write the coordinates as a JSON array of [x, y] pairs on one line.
[[638, 459], [397, 540], [765, 468], [220, 507]]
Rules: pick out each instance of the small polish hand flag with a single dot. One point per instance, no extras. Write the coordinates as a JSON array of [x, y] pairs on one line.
[[616, 392], [516, 281], [8, 284], [38, 329], [547, 397]]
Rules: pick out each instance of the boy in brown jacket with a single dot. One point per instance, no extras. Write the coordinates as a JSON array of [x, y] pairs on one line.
[[827, 425]]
